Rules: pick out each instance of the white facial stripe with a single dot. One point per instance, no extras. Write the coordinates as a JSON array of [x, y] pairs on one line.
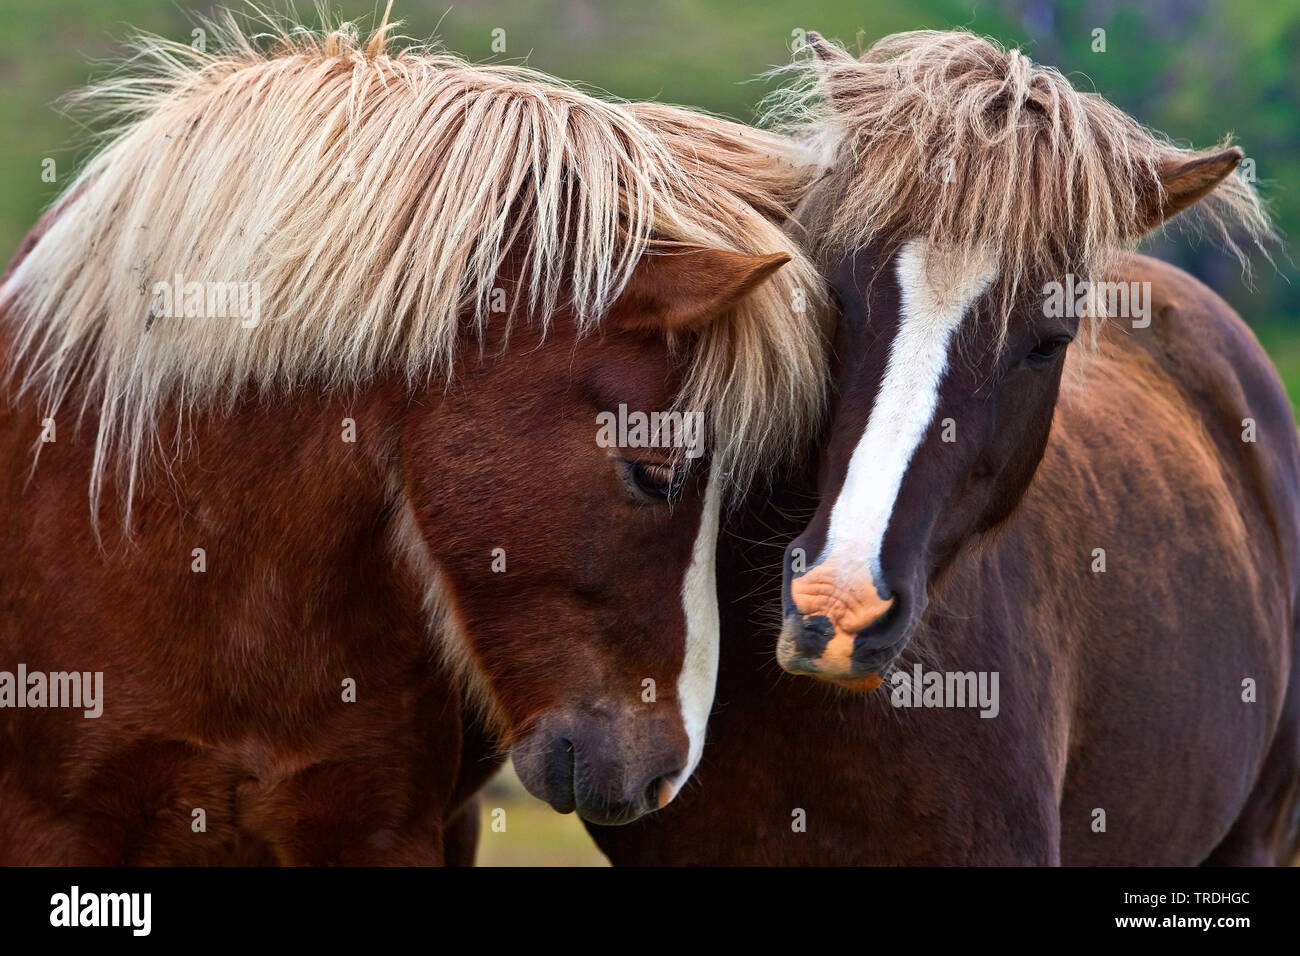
[[936, 290], [699, 676]]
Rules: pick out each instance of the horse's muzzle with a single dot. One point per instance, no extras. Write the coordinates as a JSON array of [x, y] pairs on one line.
[[609, 774], [807, 647], [842, 627]]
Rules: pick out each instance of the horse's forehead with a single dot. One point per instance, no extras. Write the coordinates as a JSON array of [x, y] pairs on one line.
[[938, 280]]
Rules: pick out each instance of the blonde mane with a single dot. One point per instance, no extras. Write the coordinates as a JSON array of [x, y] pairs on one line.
[[372, 189], [948, 136]]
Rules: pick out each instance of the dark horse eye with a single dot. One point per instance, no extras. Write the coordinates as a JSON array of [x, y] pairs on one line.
[[656, 479], [1046, 351]]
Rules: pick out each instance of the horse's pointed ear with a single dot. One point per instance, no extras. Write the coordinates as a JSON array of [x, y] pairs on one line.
[[1185, 182], [690, 286], [831, 61], [826, 51]]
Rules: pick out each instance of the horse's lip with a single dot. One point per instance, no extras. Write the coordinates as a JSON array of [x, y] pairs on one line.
[[868, 674]]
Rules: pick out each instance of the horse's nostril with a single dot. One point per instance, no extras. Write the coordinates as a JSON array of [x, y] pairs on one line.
[[656, 792], [813, 635]]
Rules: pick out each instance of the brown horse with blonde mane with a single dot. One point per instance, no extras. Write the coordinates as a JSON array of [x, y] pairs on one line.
[[1073, 565], [325, 333]]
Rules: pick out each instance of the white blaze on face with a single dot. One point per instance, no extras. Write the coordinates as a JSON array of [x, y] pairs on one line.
[[699, 676], [936, 289]]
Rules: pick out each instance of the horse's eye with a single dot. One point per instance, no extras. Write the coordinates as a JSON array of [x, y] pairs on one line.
[[1047, 350], [658, 480]]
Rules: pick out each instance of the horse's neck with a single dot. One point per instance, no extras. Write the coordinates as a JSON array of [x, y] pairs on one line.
[[255, 633], [266, 544]]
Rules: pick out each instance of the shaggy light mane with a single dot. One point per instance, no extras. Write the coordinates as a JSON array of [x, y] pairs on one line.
[[373, 189], [947, 136]]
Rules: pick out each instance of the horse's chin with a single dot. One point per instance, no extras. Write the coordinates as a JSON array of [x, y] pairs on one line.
[[599, 819], [863, 684]]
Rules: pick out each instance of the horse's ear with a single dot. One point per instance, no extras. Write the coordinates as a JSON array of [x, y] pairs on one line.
[[831, 59], [1186, 182], [825, 50], [689, 287]]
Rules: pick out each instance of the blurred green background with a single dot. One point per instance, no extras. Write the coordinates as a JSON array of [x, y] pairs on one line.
[[1193, 69]]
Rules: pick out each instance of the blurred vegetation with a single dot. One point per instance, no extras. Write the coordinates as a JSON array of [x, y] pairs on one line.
[[1194, 69]]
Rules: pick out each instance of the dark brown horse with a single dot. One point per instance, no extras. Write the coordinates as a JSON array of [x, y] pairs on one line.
[[1075, 571], [350, 543]]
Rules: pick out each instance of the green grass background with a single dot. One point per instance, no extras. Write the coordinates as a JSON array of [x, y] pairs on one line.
[[1192, 68]]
